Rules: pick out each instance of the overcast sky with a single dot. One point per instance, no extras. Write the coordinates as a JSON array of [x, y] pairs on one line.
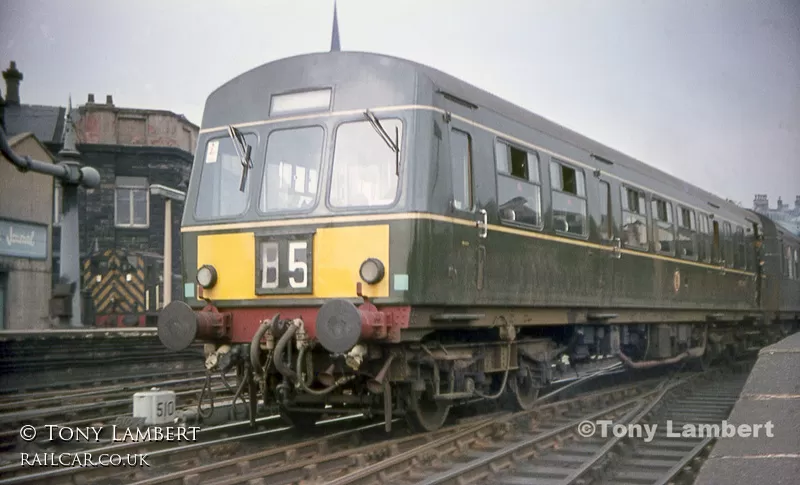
[[708, 90]]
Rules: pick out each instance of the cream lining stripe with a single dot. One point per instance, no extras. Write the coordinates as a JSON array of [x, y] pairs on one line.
[[452, 220], [475, 124]]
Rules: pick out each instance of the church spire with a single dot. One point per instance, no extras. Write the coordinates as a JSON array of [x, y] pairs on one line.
[[335, 34]]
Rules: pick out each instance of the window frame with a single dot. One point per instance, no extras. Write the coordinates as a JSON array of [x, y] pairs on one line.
[[608, 233], [693, 231], [624, 188], [248, 185], [727, 238], [797, 264], [584, 198], [329, 172], [124, 186], [263, 173], [739, 248], [706, 237], [658, 224], [470, 169], [507, 175]]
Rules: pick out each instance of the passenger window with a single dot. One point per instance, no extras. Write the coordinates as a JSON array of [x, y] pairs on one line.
[[728, 238], [568, 190], [687, 234], [717, 251], [704, 245], [740, 254], [461, 158], [664, 235], [606, 228], [519, 193], [788, 270], [796, 265], [634, 218]]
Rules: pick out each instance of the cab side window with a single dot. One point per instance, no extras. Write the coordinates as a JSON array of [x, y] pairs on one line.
[[519, 192], [461, 169], [568, 188]]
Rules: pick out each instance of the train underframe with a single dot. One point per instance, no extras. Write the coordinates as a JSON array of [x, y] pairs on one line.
[[351, 362]]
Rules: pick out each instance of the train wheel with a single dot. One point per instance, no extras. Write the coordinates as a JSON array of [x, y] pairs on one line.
[[525, 391], [424, 413]]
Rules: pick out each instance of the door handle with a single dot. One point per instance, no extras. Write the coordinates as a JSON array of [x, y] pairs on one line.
[[483, 225]]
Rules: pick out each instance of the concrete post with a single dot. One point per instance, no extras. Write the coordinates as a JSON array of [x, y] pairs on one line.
[[169, 195], [167, 252]]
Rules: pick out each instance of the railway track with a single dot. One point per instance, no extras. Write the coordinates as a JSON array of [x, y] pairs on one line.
[[51, 389], [558, 453], [82, 407], [336, 448]]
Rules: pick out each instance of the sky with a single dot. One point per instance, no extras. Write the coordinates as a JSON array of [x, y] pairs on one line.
[[706, 90]]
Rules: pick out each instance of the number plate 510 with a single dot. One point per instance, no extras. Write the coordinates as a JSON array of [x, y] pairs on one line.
[[284, 264]]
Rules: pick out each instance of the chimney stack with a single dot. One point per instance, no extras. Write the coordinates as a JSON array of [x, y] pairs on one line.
[[109, 101], [780, 204], [797, 203], [761, 203], [91, 98], [12, 77]]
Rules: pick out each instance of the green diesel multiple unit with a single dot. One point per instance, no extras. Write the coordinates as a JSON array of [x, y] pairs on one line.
[[364, 233]]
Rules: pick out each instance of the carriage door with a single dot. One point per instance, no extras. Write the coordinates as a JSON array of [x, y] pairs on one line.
[[468, 244]]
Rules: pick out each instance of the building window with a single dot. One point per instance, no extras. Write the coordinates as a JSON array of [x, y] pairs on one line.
[[58, 195], [519, 193], [568, 189], [461, 169], [132, 202], [606, 227], [634, 218], [687, 234]]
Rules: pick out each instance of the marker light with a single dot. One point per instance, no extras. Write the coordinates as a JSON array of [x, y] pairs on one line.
[[371, 271], [206, 276]]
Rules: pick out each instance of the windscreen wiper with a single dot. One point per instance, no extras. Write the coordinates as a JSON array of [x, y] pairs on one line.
[[393, 145], [243, 150]]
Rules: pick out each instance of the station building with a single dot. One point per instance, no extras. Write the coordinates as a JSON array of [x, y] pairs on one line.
[[132, 149]]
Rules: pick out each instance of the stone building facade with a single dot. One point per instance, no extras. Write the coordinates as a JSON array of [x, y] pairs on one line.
[[132, 149], [25, 239]]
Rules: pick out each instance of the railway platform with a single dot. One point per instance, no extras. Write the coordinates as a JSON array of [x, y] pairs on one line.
[[771, 394]]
